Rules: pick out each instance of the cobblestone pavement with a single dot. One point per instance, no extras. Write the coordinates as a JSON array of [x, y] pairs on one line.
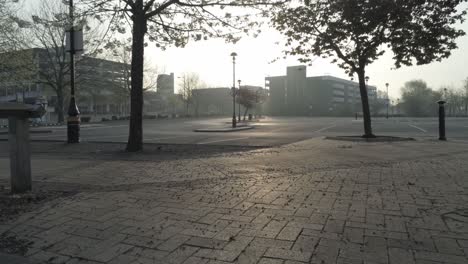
[[311, 202]]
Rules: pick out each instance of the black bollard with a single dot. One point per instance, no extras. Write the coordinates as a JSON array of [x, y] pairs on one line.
[[442, 120]]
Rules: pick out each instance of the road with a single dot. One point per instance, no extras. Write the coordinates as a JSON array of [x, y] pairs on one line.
[[271, 131]]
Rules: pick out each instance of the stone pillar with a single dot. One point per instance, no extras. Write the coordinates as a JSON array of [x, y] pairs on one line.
[[20, 154]]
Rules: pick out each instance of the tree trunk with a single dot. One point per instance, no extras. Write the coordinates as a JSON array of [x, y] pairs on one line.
[[245, 112], [365, 105], [59, 107], [135, 137], [466, 107]]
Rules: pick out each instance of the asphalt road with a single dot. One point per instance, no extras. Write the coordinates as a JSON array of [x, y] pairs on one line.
[[271, 131]]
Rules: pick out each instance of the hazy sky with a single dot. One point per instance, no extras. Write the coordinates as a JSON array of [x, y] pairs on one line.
[[211, 60]]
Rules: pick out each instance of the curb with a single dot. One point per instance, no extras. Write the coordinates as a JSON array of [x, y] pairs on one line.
[[38, 125], [30, 132], [12, 259], [376, 139], [230, 129]]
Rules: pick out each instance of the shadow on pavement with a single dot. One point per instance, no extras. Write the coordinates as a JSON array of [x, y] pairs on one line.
[[116, 151]]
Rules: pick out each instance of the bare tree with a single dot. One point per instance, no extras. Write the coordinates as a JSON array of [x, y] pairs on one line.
[[465, 88], [170, 22], [14, 64], [47, 33], [190, 82], [247, 98]]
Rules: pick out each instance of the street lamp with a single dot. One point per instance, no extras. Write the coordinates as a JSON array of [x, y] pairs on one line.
[[73, 120], [387, 84], [393, 107], [239, 103], [233, 55], [398, 106]]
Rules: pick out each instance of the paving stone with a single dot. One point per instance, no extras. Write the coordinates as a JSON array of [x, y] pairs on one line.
[[334, 226], [206, 243], [111, 253], [355, 235], [217, 254], [52, 258], [251, 255], [273, 243], [305, 243], [325, 255], [173, 242], [433, 256], [359, 212], [288, 254], [272, 229], [196, 260], [123, 259], [147, 253], [106, 249], [447, 246], [398, 255], [180, 254], [289, 233], [270, 261], [149, 242], [227, 234]]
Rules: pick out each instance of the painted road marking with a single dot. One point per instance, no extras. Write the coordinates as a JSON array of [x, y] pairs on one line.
[[325, 128], [46, 136], [223, 140], [157, 139], [414, 126], [102, 137], [90, 127]]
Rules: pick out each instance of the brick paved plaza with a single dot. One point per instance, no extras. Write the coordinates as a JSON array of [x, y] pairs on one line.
[[315, 201]]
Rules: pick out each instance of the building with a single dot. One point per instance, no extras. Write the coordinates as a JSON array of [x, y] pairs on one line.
[[102, 86], [163, 100], [165, 84], [298, 95], [212, 101]]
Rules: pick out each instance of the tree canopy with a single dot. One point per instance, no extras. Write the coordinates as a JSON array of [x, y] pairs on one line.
[[171, 23], [418, 99], [357, 32]]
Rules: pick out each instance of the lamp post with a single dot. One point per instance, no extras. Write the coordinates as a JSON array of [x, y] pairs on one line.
[[387, 84], [234, 123], [73, 120], [393, 108], [398, 106], [239, 104]]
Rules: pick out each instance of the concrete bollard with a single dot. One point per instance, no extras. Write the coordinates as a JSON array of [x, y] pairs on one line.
[[20, 154], [18, 137], [442, 120], [73, 129]]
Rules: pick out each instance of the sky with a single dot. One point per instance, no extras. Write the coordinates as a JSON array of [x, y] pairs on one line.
[[211, 60]]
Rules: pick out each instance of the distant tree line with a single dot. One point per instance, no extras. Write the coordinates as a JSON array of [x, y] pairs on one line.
[[419, 100]]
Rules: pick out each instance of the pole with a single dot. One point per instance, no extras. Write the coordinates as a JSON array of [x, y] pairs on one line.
[[73, 120], [239, 101], [442, 120], [388, 101], [234, 90]]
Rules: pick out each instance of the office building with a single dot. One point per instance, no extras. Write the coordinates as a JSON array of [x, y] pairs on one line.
[[298, 95]]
